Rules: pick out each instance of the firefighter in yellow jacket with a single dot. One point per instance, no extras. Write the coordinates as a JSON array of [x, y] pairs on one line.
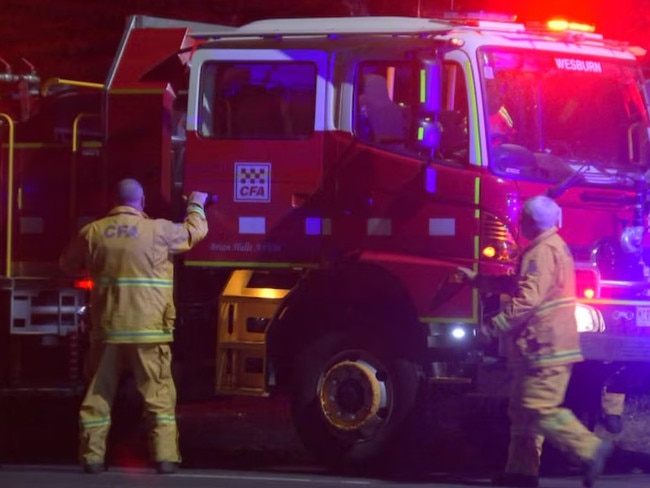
[[612, 402], [128, 257], [540, 330]]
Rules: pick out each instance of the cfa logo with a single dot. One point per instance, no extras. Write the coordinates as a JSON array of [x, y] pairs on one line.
[[252, 182], [120, 231]]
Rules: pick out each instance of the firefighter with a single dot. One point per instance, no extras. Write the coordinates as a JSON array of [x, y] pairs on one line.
[[500, 122], [613, 405], [128, 257], [502, 127], [539, 328], [626, 379]]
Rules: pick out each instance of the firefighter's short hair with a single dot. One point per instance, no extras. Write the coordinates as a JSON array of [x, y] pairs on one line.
[[129, 191], [543, 211]]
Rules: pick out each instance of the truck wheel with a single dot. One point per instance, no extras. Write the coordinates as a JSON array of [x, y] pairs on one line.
[[348, 402]]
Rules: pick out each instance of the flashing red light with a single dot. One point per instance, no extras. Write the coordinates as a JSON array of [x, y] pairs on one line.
[[560, 25], [587, 283], [85, 284], [589, 293]]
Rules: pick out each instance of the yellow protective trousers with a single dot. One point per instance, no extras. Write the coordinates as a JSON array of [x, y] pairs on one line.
[[151, 368], [612, 403], [535, 415]]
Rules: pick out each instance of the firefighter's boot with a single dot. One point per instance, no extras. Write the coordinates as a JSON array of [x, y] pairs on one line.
[[612, 406]]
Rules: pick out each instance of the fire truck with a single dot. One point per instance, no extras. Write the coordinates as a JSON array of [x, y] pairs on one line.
[[357, 163]]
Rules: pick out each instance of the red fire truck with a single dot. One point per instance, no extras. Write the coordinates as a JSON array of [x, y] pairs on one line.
[[357, 163]]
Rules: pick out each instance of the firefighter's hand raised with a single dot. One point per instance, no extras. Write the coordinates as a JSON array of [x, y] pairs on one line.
[[466, 273], [197, 198], [488, 331]]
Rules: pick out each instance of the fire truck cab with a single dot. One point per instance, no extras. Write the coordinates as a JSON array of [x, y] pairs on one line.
[[358, 162]]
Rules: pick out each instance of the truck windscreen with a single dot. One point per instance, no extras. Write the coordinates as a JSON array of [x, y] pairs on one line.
[[550, 115]]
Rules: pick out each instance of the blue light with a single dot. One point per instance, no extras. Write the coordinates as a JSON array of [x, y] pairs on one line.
[[430, 180]]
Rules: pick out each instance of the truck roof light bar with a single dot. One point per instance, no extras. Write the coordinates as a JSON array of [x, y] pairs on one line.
[[561, 25], [484, 20], [576, 30], [480, 15]]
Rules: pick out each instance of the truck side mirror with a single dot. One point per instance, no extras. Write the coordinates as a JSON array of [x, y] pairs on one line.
[[430, 84], [639, 144], [429, 132], [426, 127]]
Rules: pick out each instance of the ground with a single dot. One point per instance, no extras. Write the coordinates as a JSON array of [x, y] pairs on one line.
[[456, 434]]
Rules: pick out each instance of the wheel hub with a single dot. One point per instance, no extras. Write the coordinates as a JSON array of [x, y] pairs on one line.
[[352, 395]]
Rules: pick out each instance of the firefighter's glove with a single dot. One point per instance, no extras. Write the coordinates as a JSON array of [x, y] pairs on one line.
[[466, 275], [197, 198], [498, 325], [486, 333], [489, 329]]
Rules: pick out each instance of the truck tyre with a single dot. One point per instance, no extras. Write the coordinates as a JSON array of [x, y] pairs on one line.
[[348, 402]]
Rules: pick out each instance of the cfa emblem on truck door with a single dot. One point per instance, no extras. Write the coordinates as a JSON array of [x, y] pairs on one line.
[[252, 182]]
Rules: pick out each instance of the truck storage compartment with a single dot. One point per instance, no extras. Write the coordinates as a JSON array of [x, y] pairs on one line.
[[246, 307], [40, 341]]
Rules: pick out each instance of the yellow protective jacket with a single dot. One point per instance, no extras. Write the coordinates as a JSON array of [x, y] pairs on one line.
[[540, 321], [129, 259]]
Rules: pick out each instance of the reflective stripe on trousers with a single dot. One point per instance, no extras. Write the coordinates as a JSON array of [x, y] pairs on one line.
[[535, 414], [612, 403]]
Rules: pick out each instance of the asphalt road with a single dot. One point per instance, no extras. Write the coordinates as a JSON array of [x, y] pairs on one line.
[[27, 476], [249, 442], [238, 433]]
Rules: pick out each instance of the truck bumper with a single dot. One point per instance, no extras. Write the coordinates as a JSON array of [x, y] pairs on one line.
[[608, 347]]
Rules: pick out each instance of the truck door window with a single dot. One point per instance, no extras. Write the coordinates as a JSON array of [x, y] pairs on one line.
[[384, 108], [454, 116], [257, 100]]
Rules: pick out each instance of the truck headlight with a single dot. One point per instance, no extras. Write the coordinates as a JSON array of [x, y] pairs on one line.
[[589, 319], [458, 333]]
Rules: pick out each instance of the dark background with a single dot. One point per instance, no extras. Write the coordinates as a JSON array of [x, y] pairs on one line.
[[77, 38]]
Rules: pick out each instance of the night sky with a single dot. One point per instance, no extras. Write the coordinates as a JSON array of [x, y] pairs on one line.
[[78, 38]]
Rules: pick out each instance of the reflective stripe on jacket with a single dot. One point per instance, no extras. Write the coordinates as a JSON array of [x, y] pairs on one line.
[[129, 259], [540, 320]]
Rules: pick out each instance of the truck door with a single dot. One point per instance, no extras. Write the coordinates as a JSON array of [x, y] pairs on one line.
[[413, 211], [255, 139]]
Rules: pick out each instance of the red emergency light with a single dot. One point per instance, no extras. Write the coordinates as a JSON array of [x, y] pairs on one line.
[[84, 284], [561, 25], [587, 283]]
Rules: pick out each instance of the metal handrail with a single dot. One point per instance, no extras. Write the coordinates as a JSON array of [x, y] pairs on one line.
[[73, 170], [75, 129], [62, 81], [10, 193]]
